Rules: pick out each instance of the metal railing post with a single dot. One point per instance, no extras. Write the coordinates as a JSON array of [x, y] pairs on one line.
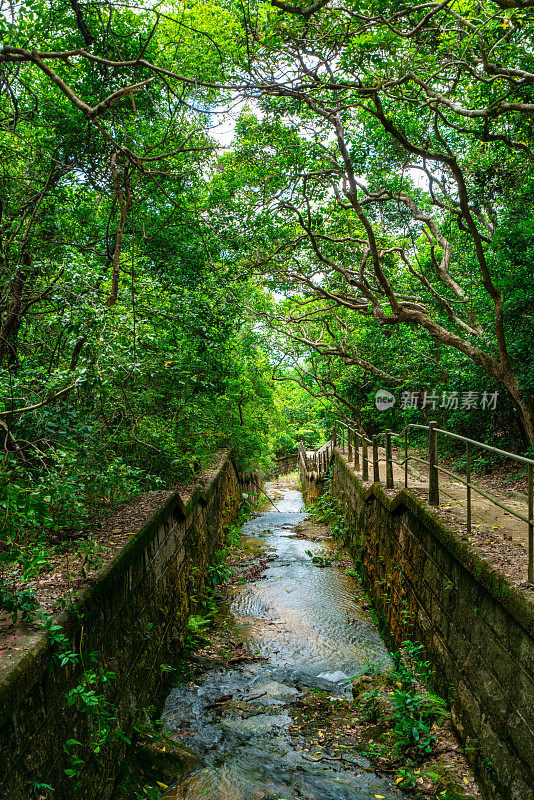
[[530, 525], [433, 475], [376, 468], [468, 481], [365, 460], [406, 457], [349, 444], [389, 461]]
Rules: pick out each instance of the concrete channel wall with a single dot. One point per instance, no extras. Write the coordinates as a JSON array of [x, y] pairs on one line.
[[134, 616], [427, 583], [283, 465]]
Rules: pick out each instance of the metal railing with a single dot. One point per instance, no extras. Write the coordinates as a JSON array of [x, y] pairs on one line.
[[351, 440]]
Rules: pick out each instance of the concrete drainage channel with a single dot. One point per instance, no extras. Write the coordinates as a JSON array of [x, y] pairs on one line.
[[236, 725], [310, 630]]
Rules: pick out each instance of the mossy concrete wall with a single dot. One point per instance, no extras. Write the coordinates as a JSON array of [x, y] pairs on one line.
[[134, 617], [312, 483], [429, 584], [284, 464]]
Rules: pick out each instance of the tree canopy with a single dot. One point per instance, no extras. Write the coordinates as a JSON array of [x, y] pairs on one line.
[[222, 226]]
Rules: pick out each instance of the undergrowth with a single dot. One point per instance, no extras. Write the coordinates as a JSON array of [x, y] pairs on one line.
[[405, 720], [327, 509], [206, 603]]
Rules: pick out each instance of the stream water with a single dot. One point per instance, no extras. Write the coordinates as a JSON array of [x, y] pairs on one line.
[[308, 624]]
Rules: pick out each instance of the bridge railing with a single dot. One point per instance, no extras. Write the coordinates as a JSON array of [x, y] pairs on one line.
[[352, 440]]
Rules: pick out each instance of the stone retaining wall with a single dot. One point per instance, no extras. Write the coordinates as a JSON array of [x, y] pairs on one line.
[[312, 483], [283, 465], [134, 618], [429, 584]]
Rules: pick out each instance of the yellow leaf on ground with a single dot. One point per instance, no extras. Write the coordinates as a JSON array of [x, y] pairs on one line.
[[162, 785]]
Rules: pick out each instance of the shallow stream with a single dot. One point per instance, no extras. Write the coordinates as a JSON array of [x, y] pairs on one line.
[[307, 622]]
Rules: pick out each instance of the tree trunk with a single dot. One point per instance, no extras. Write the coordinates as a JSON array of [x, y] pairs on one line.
[[10, 323], [524, 406]]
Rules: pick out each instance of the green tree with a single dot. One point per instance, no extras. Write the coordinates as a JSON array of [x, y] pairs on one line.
[[398, 132]]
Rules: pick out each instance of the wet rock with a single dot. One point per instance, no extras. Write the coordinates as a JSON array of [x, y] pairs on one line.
[[169, 761], [220, 701], [273, 691], [258, 723], [337, 677], [365, 683]]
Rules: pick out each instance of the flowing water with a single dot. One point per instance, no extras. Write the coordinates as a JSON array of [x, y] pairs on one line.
[[308, 625]]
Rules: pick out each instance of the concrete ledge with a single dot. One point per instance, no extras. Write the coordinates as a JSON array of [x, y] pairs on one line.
[[283, 465]]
